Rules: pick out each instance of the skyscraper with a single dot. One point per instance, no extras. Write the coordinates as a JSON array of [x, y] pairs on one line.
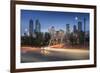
[[79, 26], [37, 26], [84, 25], [31, 27], [67, 33], [74, 29], [67, 28]]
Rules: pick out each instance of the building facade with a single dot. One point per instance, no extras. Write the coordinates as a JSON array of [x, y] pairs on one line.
[[79, 26], [37, 26], [31, 27]]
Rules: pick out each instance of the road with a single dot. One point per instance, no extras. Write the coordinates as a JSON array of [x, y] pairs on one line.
[[33, 54]]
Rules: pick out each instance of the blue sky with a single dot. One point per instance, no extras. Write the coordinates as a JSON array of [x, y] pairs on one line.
[[52, 18]]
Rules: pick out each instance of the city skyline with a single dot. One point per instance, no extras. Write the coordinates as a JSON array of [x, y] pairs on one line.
[[53, 18]]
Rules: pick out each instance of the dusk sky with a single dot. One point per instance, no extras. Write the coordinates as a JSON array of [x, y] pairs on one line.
[[48, 19]]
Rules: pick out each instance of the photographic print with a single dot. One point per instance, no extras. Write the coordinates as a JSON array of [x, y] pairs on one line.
[[51, 36], [54, 36]]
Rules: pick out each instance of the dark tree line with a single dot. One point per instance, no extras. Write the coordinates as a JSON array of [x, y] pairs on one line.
[[40, 39], [43, 39], [80, 39]]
